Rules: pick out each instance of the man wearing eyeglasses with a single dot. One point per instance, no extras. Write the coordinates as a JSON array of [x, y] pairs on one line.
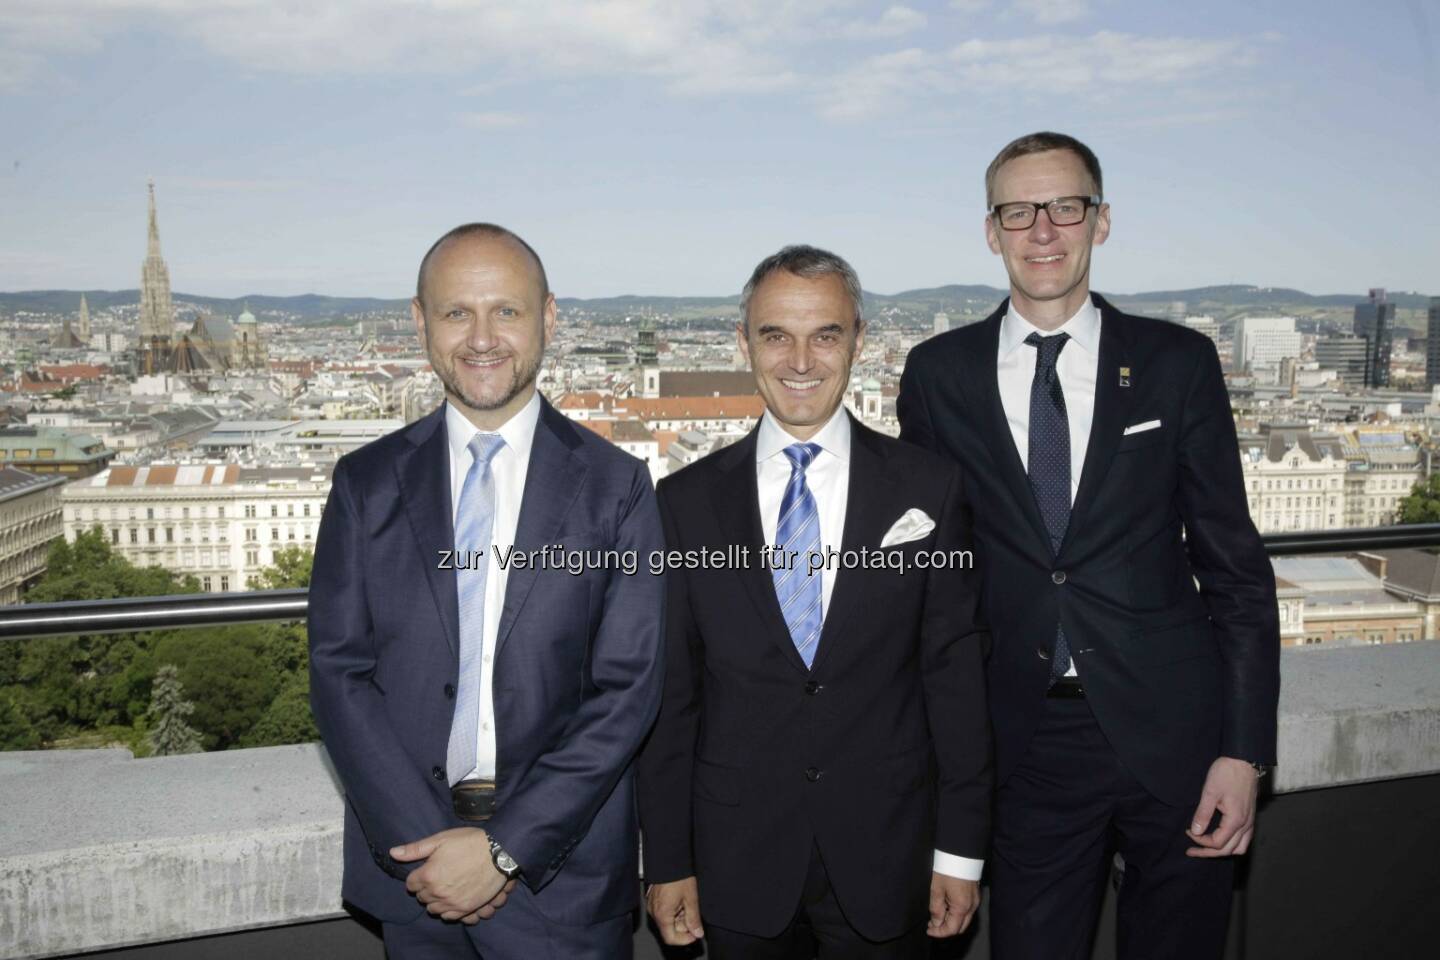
[[1135, 667]]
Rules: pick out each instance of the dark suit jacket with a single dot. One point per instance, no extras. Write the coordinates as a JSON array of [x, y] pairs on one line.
[[577, 674], [1176, 676], [879, 753]]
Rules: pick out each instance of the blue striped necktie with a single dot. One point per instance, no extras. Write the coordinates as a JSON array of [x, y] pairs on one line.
[[1048, 462], [474, 527], [798, 535]]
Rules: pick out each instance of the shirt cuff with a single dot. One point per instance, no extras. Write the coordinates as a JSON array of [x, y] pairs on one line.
[[961, 868]]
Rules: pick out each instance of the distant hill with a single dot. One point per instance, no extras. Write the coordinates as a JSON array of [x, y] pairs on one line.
[[956, 298]]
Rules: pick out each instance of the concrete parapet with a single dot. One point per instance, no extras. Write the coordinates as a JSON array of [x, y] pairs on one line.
[[99, 850]]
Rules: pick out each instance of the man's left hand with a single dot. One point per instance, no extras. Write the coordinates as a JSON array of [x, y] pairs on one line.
[[459, 879], [952, 904], [1231, 787]]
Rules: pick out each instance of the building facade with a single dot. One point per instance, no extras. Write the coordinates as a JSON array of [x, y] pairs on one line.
[[30, 520], [220, 523]]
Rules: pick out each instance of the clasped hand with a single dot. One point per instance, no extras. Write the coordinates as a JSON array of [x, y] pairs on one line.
[[459, 880]]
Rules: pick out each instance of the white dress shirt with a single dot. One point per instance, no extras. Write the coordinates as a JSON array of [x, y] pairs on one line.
[[508, 467], [828, 478], [1078, 368]]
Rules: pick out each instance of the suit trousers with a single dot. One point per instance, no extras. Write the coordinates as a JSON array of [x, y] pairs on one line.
[[1058, 819], [518, 931], [819, 931]]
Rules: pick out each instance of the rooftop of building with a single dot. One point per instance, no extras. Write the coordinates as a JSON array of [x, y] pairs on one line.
[[16, 483]]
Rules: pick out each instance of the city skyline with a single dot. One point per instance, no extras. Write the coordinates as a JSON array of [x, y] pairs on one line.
[[660, 150]]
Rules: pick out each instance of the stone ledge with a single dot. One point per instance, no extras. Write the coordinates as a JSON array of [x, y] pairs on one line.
[[98, 850]]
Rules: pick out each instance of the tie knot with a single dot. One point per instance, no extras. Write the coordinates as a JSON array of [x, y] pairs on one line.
[[801, 454], [1049, 347], [484, 446]]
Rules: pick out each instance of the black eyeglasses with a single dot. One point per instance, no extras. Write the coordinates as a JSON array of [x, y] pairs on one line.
[[1062, 211]]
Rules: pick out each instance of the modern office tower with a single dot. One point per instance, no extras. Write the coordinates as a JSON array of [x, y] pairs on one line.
[[157, 313], [942, 322], [1262, 342], [1375, 320], [1432, 344], [1345, 355], [1175, 313], [1206, 325]]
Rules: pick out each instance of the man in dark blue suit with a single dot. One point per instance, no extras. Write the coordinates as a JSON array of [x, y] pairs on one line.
[[482, 697], [1135, 668]]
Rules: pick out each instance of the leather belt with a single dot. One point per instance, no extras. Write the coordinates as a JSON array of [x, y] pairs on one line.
[[1067, 688], [474, 800]]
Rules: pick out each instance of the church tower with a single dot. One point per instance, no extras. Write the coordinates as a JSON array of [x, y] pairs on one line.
[[157, 314], [84, 319]]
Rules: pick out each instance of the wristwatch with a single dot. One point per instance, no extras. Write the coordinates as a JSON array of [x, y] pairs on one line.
[[1260, 770], [505, 863]]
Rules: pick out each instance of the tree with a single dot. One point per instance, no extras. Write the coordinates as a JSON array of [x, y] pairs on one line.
[[291, 570], [229, 678], [169, 733], [1422, 504]]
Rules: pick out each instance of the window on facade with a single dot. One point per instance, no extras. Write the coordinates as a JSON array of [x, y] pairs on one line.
[[220, 512], [185, 513], [252, 558], [205, 584], [150, 535], [224, 583], [274, 533], [149, 513], [274, 509], [290, 510], [134, 535], [169, 534], [307, 509], [114, 535], [249, 509]]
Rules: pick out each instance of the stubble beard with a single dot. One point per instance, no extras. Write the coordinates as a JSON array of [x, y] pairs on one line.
[[523, 377]]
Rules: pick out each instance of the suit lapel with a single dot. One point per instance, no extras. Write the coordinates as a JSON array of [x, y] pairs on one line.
[[737, 499], [1112, 411], [1000, 440], [552, 482], [423, 474], [871, 505]]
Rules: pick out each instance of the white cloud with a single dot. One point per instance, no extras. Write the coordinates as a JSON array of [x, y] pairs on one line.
[[880, 83], [491, 120], [969, 6], [1047, 12], [701, 46], [895, 21], [1099, 64]]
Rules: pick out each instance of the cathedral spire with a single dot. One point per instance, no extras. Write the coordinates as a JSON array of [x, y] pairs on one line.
[[153, 249], [84, 319], [157, 313]]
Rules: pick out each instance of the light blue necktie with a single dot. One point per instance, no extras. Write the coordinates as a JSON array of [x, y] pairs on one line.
[[798, 533], [474, 526]]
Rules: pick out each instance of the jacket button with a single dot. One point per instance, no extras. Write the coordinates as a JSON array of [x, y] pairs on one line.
[[1058, 577], [813, 773], [438, 773], [813, 687], [449, 691], [1042, 653]]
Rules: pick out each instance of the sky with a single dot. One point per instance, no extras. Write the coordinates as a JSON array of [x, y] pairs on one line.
[[664, 147]]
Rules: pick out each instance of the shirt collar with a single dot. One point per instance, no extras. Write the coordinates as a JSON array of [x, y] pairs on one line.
[[518, 432], [834, 437], [1083, 327]]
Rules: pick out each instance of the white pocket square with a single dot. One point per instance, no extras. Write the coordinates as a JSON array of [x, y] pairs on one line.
[[912, 525], [1142, 427]]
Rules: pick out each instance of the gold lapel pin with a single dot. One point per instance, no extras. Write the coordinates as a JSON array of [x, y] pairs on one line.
[[1124, 376]]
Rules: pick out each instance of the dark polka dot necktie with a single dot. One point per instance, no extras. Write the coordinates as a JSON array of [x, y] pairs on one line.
[[1048, 461]]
